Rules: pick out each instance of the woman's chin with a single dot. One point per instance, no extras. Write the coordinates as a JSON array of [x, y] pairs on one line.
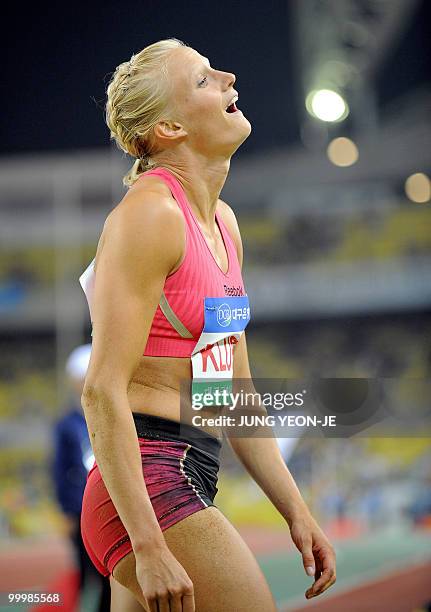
[[240, 140], [246, 129]]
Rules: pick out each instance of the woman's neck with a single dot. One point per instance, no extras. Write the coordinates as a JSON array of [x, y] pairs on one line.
[[201, 179]]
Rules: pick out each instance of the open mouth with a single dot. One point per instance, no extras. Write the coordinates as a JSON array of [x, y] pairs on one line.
[[231, 108]]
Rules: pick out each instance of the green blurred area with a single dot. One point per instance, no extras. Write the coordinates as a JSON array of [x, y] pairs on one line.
[[354, 237], [401, 231], [36, 265], [29, 394]]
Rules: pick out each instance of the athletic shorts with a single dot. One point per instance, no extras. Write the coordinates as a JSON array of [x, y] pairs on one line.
[[180, 465]]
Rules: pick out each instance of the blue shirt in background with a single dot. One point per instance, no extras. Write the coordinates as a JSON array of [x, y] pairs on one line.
[[72, 459]]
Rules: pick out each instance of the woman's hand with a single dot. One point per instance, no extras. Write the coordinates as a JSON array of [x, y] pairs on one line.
[[318, 555], [164, 582]]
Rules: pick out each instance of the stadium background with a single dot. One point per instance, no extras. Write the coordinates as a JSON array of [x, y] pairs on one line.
[[337, 261]]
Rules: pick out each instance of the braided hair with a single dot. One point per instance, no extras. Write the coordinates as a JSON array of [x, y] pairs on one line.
[[137, 98]]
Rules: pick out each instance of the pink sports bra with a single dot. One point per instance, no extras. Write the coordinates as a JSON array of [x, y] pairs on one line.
[[179, 318]]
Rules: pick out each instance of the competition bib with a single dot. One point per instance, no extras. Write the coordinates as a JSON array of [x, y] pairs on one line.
[[225, 319]]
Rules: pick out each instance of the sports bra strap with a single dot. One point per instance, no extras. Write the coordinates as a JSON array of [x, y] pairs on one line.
[[173, 319]]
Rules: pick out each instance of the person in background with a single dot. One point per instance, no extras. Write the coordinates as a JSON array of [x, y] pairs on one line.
[[72, 459]]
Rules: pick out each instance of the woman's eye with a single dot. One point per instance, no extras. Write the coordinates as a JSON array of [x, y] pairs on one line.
[[204, 80]]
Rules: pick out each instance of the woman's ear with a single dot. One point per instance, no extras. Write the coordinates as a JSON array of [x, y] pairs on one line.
[[169, 132]]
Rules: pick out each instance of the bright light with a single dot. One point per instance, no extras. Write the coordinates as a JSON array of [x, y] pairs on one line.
[[418, 188], [342, 152], [327, 105]]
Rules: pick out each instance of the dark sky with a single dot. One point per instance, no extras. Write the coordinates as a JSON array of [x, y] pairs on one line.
[[62, 58], [409, 62], [61, 55]]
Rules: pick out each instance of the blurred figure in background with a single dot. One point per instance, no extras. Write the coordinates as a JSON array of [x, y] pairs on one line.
[[72, 459]]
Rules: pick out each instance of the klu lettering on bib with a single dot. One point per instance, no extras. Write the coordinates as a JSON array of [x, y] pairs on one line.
[[225, 319]]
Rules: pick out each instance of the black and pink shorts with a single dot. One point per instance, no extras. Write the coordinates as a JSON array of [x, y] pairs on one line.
[[180, 465]]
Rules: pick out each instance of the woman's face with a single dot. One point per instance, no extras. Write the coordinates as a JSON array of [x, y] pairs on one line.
[[201, 95]]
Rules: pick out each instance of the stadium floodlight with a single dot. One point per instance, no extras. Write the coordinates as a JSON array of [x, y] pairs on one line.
[[342, 152], [327, 105], [418, 188]]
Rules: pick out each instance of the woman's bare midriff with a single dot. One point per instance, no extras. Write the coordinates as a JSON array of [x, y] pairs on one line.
[[161, 386], [155, 386]]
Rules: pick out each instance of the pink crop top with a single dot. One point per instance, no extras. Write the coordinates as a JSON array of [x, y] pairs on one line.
[[179, 318]]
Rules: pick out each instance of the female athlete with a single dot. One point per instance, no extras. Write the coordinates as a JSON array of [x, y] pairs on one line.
[[161, 290]]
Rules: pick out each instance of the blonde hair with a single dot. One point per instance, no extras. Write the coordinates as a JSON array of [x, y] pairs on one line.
[[137, 98]]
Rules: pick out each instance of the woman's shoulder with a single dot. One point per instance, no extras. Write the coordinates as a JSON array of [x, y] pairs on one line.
[[148, 202], [148, 192], [147, 211]]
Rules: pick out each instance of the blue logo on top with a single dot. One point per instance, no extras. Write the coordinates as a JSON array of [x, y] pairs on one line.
[[224, 315], [230, 314]]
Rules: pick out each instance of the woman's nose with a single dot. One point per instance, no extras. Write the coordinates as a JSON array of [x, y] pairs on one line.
[[232, 78]]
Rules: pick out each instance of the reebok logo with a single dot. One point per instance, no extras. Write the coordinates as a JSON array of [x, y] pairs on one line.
[[232, 291]]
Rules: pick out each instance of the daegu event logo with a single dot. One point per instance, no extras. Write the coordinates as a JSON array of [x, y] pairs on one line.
[[224, 315]]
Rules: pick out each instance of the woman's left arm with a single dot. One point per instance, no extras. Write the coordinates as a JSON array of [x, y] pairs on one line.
[[262, 459]]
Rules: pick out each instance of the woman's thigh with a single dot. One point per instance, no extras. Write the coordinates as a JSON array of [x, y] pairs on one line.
[[223, 570], [122, 600]]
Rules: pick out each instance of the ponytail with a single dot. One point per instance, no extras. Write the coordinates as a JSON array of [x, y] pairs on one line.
[[140, 165]]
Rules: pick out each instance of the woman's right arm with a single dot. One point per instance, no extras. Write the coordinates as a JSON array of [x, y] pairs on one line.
[[143, 241]]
